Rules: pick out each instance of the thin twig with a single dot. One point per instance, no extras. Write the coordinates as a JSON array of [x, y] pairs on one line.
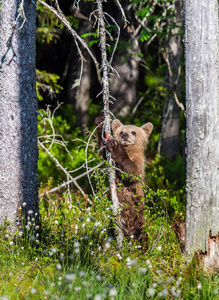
[[86, 161], [122, 12], [117, 38], [21, 14], [63, 19], [65, 171], [70, 181]]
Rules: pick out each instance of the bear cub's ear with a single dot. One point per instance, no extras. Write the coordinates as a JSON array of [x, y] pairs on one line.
[[148, 127], [116, 124]]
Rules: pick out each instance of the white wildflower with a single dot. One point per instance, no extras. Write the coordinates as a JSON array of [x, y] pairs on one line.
[[143, 270], [112, 292], [199, 286], [82, 274], [33, 291], [165, 292], [59, 266], [148, 262], [32, 238], [119, 256], [98, 278], [77, 289], [53, 250], [138, 246], [131, 262], [107, 246], [151, 292]]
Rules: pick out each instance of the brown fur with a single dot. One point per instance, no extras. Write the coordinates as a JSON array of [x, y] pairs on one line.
[[127, 150]]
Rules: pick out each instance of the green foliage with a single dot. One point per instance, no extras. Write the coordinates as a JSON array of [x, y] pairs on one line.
[[156, 15], [47, 82], [169, 178], [95, 39], [49, 27]]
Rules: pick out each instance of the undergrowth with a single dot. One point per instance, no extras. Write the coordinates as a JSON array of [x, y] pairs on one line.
[[71, 256]]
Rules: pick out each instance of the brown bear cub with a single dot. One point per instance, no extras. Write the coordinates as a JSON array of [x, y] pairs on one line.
[[127, 150]]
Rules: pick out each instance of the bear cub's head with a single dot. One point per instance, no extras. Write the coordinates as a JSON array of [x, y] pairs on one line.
[[132, 137]]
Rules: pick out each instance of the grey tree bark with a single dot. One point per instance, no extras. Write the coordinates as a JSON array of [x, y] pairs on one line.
[[123, 88], [202, 107], [169, 141], [18, 110]]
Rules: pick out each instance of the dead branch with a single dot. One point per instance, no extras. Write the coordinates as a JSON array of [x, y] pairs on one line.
[[55, 189], [65, 171], [21, 14], [76, 37], [106, 126], [122, 12]]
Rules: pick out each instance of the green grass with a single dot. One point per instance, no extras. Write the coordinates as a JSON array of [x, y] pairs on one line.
[[71, 257]]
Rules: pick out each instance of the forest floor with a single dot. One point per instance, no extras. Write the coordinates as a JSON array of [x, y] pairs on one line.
[[72, 257]]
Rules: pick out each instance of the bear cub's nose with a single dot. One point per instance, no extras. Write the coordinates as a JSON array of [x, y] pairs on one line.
[[125, 136]]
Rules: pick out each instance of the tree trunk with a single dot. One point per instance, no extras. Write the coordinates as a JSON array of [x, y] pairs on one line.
[[202, 107], [169, 141], [83, 94], [18, 111], [79, 97], [123, 88]]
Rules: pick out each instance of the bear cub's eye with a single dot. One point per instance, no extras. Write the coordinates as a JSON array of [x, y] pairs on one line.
[[121, 133], [133, 132]]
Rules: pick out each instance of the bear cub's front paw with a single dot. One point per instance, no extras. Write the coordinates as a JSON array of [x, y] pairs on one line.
[[99, 122], [116, 149]]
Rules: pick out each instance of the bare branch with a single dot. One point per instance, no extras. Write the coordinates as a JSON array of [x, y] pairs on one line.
[[106, 126], [65, 171], [21, 14], [117, 39], [76, 37], [122, 12], [70, 181]]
